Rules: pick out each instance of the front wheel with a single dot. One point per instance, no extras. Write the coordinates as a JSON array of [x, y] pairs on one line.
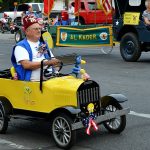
[[115, 125], [62, 134], [18, 36], [130, 47]]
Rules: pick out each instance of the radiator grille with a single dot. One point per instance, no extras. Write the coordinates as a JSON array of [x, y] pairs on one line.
[[87, 93]]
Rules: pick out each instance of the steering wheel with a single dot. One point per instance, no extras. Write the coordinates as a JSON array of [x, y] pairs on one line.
[[53, 71]]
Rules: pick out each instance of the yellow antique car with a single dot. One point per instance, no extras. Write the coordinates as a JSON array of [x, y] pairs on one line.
[[67, 101]]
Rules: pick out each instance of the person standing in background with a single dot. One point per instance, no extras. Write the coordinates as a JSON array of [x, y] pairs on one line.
[[71, 14]]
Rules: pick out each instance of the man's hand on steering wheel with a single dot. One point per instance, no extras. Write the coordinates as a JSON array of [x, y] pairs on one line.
[[55, 63], [52, 62]]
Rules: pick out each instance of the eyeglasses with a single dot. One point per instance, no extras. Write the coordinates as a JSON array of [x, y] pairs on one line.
[[36, 29]]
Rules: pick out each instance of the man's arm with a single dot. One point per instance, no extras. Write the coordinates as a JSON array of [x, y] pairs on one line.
[[147, 22], [35, 65]]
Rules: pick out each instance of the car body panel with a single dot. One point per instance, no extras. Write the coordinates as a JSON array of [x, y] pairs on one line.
[[57, 92]]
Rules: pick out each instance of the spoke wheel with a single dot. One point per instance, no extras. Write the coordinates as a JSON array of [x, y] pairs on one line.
[[115, 125], [63, 136], [3, 119]]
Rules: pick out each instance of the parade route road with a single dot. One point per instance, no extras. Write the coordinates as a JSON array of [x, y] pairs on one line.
[[114, 76]]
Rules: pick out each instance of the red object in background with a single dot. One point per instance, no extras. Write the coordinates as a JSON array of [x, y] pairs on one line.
[[87, 16], [77, 6], [5, 15], [48, 5], [64, 15]]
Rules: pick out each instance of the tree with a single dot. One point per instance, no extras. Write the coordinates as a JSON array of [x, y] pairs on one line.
[[10, 3]]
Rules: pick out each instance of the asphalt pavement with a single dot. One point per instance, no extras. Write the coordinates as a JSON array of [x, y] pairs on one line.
[[114, 76]]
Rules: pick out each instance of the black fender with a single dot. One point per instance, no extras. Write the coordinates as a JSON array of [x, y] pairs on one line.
[[73, 110], [119, 98], [69, 110]]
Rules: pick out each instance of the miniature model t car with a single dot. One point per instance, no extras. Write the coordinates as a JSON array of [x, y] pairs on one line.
[[130, 29], [66, 100]]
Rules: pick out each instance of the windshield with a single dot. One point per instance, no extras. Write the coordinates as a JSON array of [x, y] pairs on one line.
[[134, 2], [41, 6]]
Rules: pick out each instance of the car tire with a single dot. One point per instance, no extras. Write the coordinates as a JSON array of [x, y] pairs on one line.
[[3, 118], [130, 47], [62, 133], [18, 36], [81, 21], [115, 125]]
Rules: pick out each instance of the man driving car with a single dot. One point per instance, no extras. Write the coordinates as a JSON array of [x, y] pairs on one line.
[[28, 53]]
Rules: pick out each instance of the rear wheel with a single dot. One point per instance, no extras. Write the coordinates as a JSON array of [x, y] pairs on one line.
[[4, 28], [115, 125], [130, 47], [62, 134], [3, 118]]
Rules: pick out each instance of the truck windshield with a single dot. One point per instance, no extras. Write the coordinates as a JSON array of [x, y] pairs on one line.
[[134, 2], [92, 5]]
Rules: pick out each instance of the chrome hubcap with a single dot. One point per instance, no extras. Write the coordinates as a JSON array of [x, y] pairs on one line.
[[113, 123]]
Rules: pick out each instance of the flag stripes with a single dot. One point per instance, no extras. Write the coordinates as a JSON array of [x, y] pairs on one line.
[[106, 4]]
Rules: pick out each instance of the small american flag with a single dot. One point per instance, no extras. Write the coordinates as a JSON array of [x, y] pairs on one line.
[[106, 4], [15, 12]]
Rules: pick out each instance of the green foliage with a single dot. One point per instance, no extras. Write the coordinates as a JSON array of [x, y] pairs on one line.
[[10, 3]]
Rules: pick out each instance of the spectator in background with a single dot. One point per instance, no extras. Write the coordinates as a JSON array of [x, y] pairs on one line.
[[30, 12], [146, 13], [71, 14]]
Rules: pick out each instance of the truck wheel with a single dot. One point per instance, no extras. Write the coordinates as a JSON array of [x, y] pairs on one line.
[[115, 125], [62, 134], [3, 119], [130, 47], [18, 36]]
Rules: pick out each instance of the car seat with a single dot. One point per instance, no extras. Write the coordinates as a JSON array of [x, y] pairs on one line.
[[13, 73], [48, 39]]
